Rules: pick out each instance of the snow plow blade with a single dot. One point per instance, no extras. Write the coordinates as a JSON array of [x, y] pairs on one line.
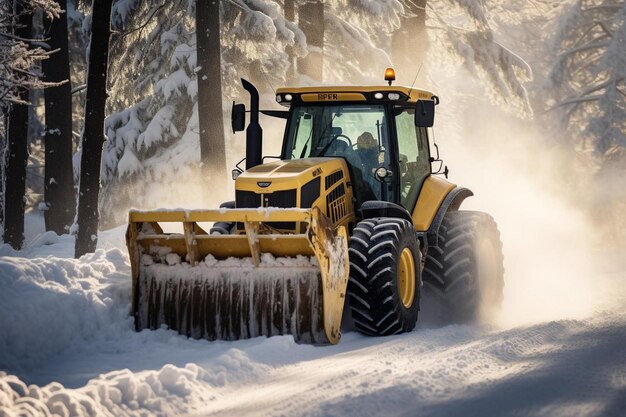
[[238, 286]]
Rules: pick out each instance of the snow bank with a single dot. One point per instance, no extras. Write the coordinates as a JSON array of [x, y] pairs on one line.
[[45, 244], [49, 305], [168, 391]]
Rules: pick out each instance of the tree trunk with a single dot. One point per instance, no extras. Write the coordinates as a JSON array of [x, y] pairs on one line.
[[410, 42], [3, 144], [59, 178], [210, 111], [16, 154], [290, 15], [311, 18], [93, 132]]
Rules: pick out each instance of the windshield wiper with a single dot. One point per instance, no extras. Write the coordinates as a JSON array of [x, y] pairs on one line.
[[306, 145], [320, 153]]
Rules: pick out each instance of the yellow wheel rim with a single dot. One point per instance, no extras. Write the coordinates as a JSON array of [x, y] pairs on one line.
[[406, 278]]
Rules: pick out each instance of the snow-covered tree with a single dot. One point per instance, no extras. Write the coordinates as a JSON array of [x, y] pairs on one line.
[[255, 38], [18, 74], [461, 31], [19, 56], [358, 39], [152, 131], [588, 79], [586, 92], [151, 134]]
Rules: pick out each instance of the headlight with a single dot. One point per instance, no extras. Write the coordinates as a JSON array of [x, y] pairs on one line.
[[378, 96], [381, 172], [393, 96]]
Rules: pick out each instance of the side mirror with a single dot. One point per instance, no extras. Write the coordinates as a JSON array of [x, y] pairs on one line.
[[238, 117], [235, 173], [424, 113]]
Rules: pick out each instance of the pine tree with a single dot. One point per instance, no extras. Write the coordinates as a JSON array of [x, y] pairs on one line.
[[16, 152], [462, 29], [588, 78], [153, 144], [19, 74]]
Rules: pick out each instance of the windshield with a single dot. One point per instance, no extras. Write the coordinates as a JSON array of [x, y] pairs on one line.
[[356, 132], [331, 130]]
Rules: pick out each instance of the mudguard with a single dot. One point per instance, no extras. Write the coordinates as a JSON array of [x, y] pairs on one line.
[[452, 202], [436, 198], [371, 209]]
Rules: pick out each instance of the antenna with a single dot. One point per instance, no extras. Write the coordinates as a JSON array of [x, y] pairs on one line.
[[268, 81], [415, 79]]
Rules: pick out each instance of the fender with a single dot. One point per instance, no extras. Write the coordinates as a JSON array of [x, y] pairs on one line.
[[436, 198], [452, 202], [370, 209]]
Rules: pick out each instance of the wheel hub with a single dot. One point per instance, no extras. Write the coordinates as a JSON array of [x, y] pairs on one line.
[[406, 278]]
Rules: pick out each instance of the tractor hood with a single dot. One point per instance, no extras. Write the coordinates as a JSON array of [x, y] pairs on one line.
[[287, 174]]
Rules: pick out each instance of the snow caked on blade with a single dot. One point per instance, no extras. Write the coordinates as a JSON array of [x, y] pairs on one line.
[[230, 303]]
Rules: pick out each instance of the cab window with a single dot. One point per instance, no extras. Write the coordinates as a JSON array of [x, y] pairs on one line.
[[414, 155]]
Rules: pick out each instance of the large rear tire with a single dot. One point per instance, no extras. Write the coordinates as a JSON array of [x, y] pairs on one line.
[[463, 273], [385, 280]]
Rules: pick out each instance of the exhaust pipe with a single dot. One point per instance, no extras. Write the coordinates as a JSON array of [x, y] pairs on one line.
[[254, 133]]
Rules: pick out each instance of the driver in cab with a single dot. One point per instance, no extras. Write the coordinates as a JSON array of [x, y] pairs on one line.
[[367, 149], [369, 152]]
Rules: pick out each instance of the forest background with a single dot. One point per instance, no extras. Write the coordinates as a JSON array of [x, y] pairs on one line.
[[554, 68]]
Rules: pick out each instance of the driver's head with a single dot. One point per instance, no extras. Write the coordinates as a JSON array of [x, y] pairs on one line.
[[366, 142]]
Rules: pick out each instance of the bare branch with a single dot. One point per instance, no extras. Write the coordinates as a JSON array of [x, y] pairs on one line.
[[143, 25], [78, 89]]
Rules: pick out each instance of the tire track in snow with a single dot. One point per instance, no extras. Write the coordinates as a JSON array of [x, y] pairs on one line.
[[420, 371]]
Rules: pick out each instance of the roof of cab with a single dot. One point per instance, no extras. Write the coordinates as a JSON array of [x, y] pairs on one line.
[[414, 94]]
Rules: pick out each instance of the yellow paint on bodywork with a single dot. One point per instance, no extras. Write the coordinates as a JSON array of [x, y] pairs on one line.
[[294, 174], [311, 93], [434, 191]]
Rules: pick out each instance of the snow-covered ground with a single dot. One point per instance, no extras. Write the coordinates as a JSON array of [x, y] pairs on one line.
[[67, 347]]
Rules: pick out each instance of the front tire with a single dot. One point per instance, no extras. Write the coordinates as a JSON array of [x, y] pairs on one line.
[[224, 228], [385, 280], [464, 273]]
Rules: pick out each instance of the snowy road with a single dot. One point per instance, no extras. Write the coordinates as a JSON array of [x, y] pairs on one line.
[[65, 330], [559, 368]]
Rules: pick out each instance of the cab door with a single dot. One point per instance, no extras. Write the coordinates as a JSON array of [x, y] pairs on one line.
[[413, 156]]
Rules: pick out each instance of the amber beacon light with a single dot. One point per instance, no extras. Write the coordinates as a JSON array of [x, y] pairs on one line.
[[390, 75]]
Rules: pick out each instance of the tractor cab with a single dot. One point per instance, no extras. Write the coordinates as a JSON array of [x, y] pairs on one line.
[[380, 131], [375, 129]]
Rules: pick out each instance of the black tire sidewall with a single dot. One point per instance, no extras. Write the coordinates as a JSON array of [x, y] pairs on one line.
[[454, 296], [379, 310]]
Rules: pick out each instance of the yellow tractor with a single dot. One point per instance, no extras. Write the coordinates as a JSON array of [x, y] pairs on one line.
[[352, 215]]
